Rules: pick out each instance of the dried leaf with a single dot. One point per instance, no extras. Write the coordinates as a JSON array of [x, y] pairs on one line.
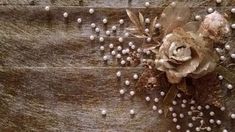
[[182, 86], [170, 96], [152, 26], [208, 90], [229, 75], [141, 18]]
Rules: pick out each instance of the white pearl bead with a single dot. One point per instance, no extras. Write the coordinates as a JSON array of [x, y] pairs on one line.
[[128, 58], [171, 109], [158, 25], [93, 25], [233, 26], [91, 11], [190, 113], [181, 115], [232, 56], [123, 62], [179, 95], [135, 76], [97, 30], [160, 111], [130, 44], [111, 46], [147, 4], [118, 74], [184, 101], [139, 50], [133, 47], [127, 82], [92, 37], [210, 10], [174, 114], [146, 30], [212, 121], [222, 58], [212, 113], [183, 105], [156, 100], [147, 98], [147, 20], [122, 91], [102, 48], [162, 93], [208, 129], [230, 86], [65, 14], [121, 21], [101, 39], [154, 107], [79, 20], [190, 125], [132, 93], [173, 4], [233, 116], [192, 108], [233, 10], [174, 119], [207, 107], [187, 130], [103, 112], [199, 107], [105, 58], [120, 39], [218, 1], [198, 17], [123, 51], [218, 122], [118, 56], [197, 129], [113, 52], [227, 47], [132, 112], [47, 8], [114, 28], [149, 39], [108, 32], [220, 77], [105, 21], [174, 102], [127, 50], [225, 130], [178, 127], [119, 48], [192, 101]]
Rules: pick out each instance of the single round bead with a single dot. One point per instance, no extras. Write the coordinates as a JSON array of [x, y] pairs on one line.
[[149, 39], [147, 98], [146, 30], [173, 4], [160, 111], [198, 17], [190, 125], [135, 76], [174, 119], [133, 47], [197, 129], [93, 25], [120, 39], [233, 116], [190, 113], [122, 91], [225, 130], [147, 20], [207, 107], [158, 25], [232, 56], [132, 112], [101, 48], [154, 107], [208, 129], [230, 86], [227, 47], [210, 10], [233, 10], [91, 11], [233, 26], [65, 14], [174, 102], [97, 30], [181, 115], [179, 95], [103, 112], [79, 20], [105, 21], [114, 28], [113, 52], [101, 39], [212, 113], [171, 109], [156, 100], [123, 62], [178, 127], [92, 37], [118, 56], [130, 44], [147, 4], [111, 46], [105, 57], [212, 121], [47, 8], [132, 93], [126, 34], [218, 1], [118, 74], [121, 21], [107, 32], [218, 122], [127, 82], [162, 93], [174, 114], [220, 77]]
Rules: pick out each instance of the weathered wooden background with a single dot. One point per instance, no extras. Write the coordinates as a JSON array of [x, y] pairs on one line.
[[52, 77]]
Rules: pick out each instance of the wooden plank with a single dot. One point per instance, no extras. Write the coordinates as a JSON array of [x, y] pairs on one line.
[[113, 3]]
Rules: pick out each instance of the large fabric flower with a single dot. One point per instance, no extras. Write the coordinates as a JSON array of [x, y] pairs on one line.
[[184, 54]]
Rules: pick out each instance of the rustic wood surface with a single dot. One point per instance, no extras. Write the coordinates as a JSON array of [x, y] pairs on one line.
[[53, 78]]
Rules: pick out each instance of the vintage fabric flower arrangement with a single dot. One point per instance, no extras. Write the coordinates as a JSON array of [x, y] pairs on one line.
[[184, 51]]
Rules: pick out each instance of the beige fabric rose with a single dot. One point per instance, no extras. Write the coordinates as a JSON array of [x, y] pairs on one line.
[[184, 54], [215, 26]]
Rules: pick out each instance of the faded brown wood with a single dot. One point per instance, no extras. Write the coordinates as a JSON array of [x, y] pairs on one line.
[[52, 77]]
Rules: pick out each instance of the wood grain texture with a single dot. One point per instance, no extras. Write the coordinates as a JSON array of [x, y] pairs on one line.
[[53, 78]]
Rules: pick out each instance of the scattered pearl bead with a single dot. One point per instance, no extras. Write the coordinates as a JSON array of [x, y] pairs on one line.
[[230, 86], [126, 34], [79, 20], [160, 111], [162, 93], [146, 30], [227, 47], [121, 21], [147, 98], [178, 127], [187, 130], [210, 10], [208, 129], [139, 50], [111, 46], [218, 122], [222, 58], [97, 30], [233, 116], [123, 51], [199, 107], [120, 39], [190, 113], [147, 20], [156, 100], [122, 91], [171, 109], [103, 112], [91, 11], [207, 107], [149, 39], [192, 108], [113, 52], [101, 39], [190, 125], [47, 8], [174, 120], [174, 102], [154, 107], [218, 1], [123, 62], [92, 37], [105, 21], [93, 25], [108, 32], [132, 93], [181, 115], [105, 58], [184, 101], [132, 112], [173, 4], [135, 76], [158, 25], [174, 114], [183, 105], [225, 130], [127, 50], [118, 74], [220, 77], [212, 121], [179, 95], [119, 48], [65, 14], [102, 48], [148, 52], [127, 82], [232, 56], [114, 28], [212, 113], [147, 4], [233, 26], [118, 56], [233, 10], [192, 101], [197, 129], [198, 17]]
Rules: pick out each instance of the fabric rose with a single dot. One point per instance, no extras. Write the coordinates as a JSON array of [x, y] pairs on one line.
[[215, 26], [184, 54]]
